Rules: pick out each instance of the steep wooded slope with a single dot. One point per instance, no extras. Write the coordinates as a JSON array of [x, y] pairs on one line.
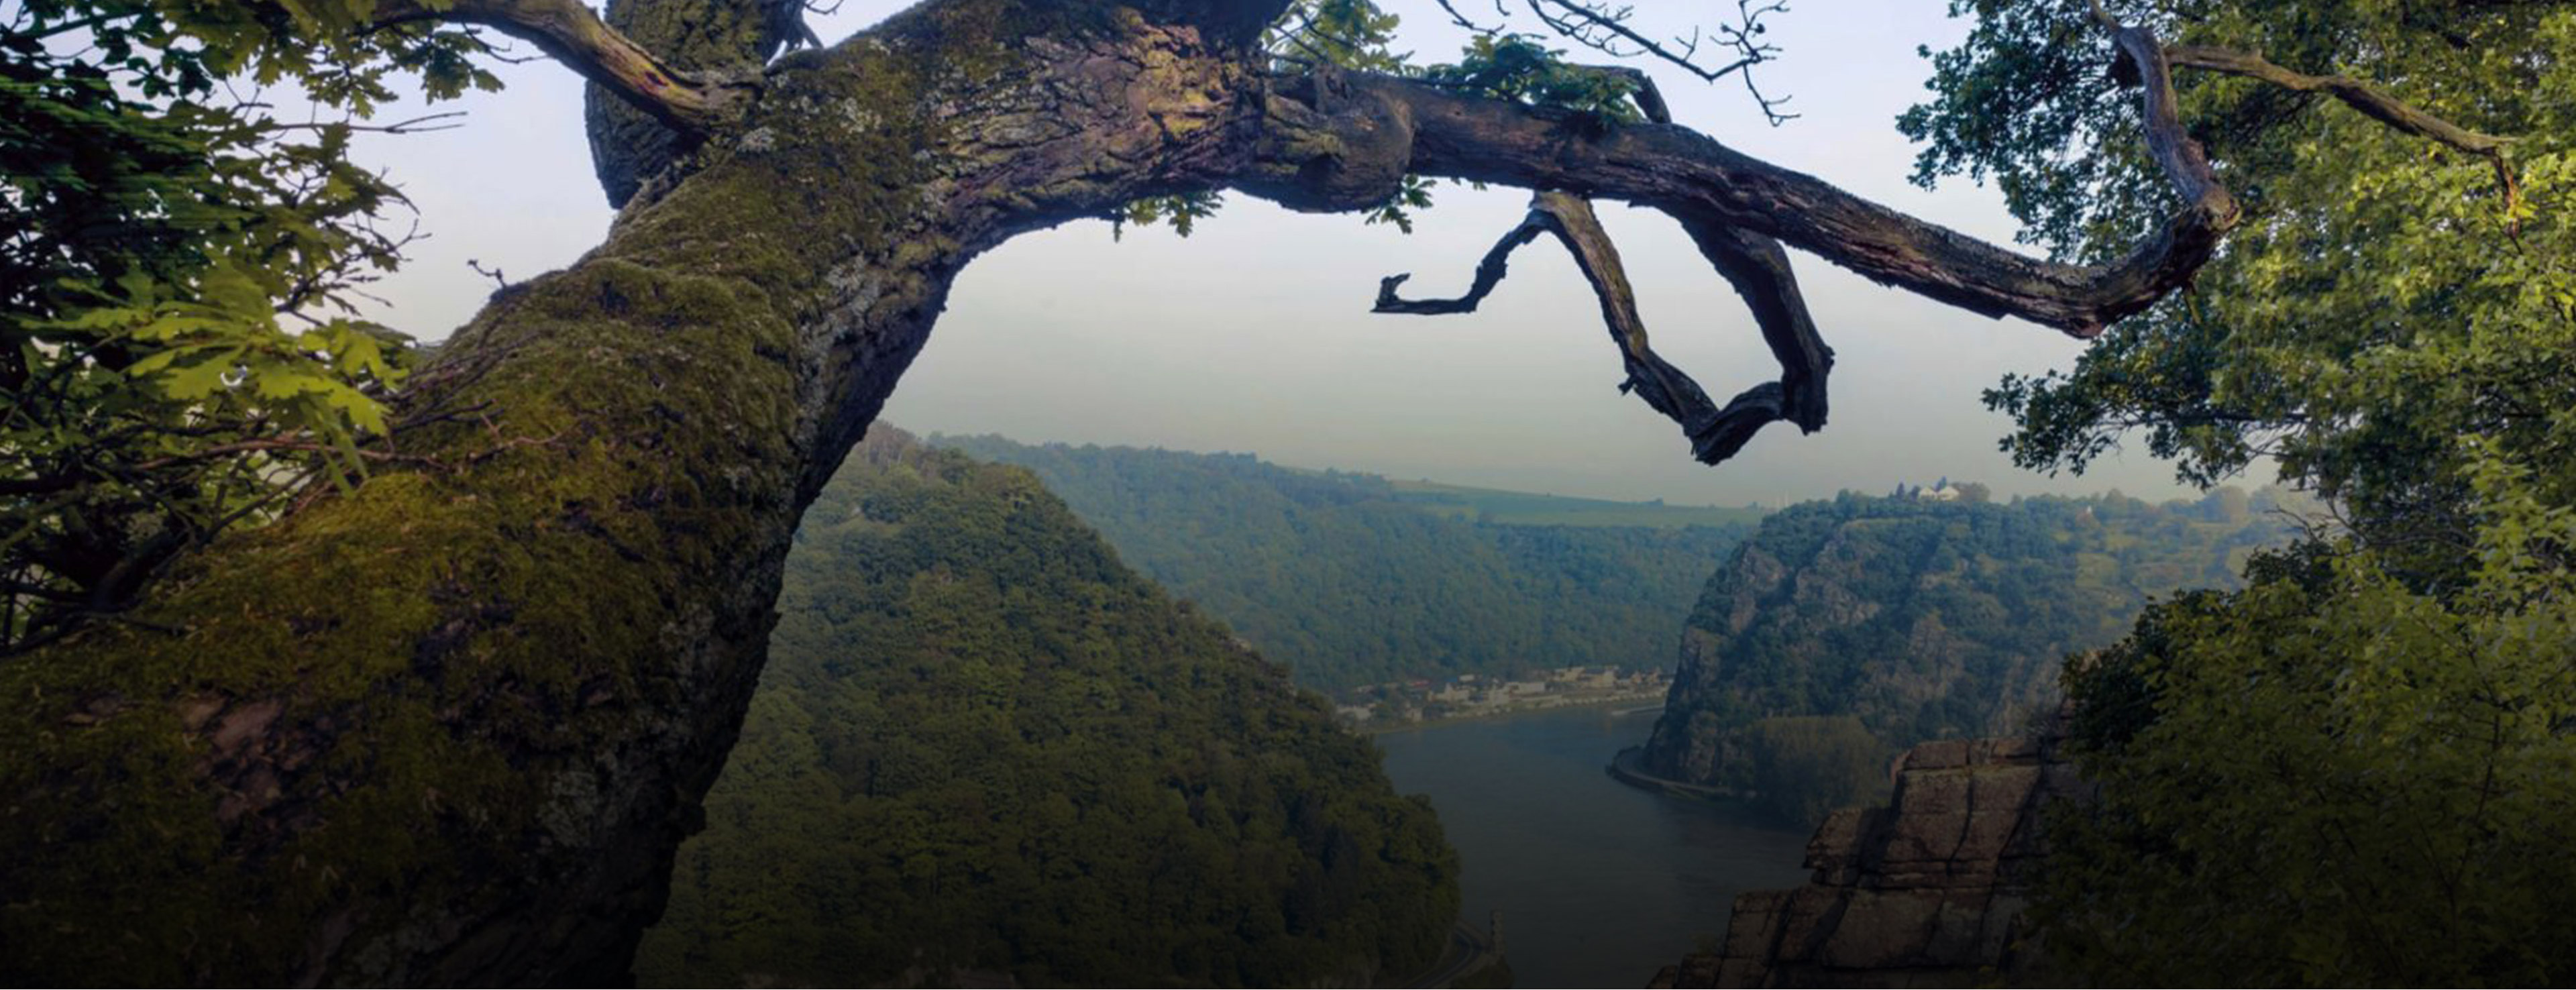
[[983, 744], [1350, 581]]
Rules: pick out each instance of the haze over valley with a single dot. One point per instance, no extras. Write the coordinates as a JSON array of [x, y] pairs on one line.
[[931, 686], [1409, 493]]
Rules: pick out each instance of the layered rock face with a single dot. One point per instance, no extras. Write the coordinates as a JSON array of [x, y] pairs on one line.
[[1926, 892]]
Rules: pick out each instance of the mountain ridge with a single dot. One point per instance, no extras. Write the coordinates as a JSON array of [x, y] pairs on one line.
[[1350, 581]]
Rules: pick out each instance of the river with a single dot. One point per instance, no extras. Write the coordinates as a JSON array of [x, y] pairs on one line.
[[1599, 883]]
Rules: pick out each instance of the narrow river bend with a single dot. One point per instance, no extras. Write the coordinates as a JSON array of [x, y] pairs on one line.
[[1599, 883]]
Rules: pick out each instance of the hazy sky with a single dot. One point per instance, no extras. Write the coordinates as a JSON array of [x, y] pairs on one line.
[[1254, 334]]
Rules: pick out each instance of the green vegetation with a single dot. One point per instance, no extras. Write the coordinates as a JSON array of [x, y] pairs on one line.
[[982, 744], [161, 231], [1496, 63], [1921, 619], [2331, 778], [1348, 579], [2356, 771], [1524, 509], [1805, 766], [2391, 304]]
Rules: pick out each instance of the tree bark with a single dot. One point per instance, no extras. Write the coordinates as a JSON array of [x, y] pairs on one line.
[[629, 144], [568, 32], [449, 726]]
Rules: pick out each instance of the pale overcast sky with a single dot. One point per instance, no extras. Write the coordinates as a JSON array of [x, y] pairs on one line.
[[1254, 334]]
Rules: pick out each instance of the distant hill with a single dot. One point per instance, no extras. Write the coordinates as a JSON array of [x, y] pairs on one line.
[[1921, 620], [1524, 509], [982, 745], [1351, 579]]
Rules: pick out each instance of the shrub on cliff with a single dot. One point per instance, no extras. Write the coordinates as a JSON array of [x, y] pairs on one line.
[[2331, 778], [1806, 766]]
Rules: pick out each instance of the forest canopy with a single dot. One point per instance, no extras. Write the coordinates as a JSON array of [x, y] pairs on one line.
[[1351, 582], [2355, 770], [982, 744]]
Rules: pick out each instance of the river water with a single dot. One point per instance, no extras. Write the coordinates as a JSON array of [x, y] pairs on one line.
[[1599, 883]]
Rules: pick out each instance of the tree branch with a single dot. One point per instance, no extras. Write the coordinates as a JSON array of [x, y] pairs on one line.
[[1489, 273], [1763, 278], [1603, 29], [2185, 164], [1759, 270], [569, 32], [2361, 96], [1333, 140], [2369, 100], [1338, 141], [630, 146]]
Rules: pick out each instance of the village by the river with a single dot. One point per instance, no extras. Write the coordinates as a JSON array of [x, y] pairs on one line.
[[1397, 704]]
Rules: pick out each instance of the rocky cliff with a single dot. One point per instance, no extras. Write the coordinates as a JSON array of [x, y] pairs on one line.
[[1925, 892], [1924, 620]]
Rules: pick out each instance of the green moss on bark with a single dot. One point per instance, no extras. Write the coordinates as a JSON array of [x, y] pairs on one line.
[[367, 694], [447, 727]]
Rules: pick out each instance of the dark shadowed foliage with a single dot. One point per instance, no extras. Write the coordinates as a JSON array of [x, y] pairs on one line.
[[983, 744]]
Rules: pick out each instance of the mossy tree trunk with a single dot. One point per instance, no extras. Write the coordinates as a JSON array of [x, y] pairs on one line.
[[450, 725]]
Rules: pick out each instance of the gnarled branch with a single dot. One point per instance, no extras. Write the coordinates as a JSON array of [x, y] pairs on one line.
[[2185, 163], [1489, 273], [1759, 270], [2369, 100], [2361, 96], [1339, 141], [1324, 150], [1333, 135], [1754, 264], [569, 32]]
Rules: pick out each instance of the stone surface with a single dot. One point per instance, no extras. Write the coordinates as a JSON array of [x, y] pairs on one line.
[[1926, 892]]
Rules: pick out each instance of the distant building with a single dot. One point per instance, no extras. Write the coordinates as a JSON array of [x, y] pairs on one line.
[[1942, 491]]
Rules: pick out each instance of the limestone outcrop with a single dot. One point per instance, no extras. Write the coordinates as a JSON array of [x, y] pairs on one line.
[[1926, 892]]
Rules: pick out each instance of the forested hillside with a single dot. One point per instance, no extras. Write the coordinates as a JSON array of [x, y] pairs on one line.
[[983, 744], [1921, 620], [1349, 580]]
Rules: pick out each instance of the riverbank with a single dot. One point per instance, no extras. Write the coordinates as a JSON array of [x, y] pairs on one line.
[[1629, 767], [1471, 956], [1499, 714]]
